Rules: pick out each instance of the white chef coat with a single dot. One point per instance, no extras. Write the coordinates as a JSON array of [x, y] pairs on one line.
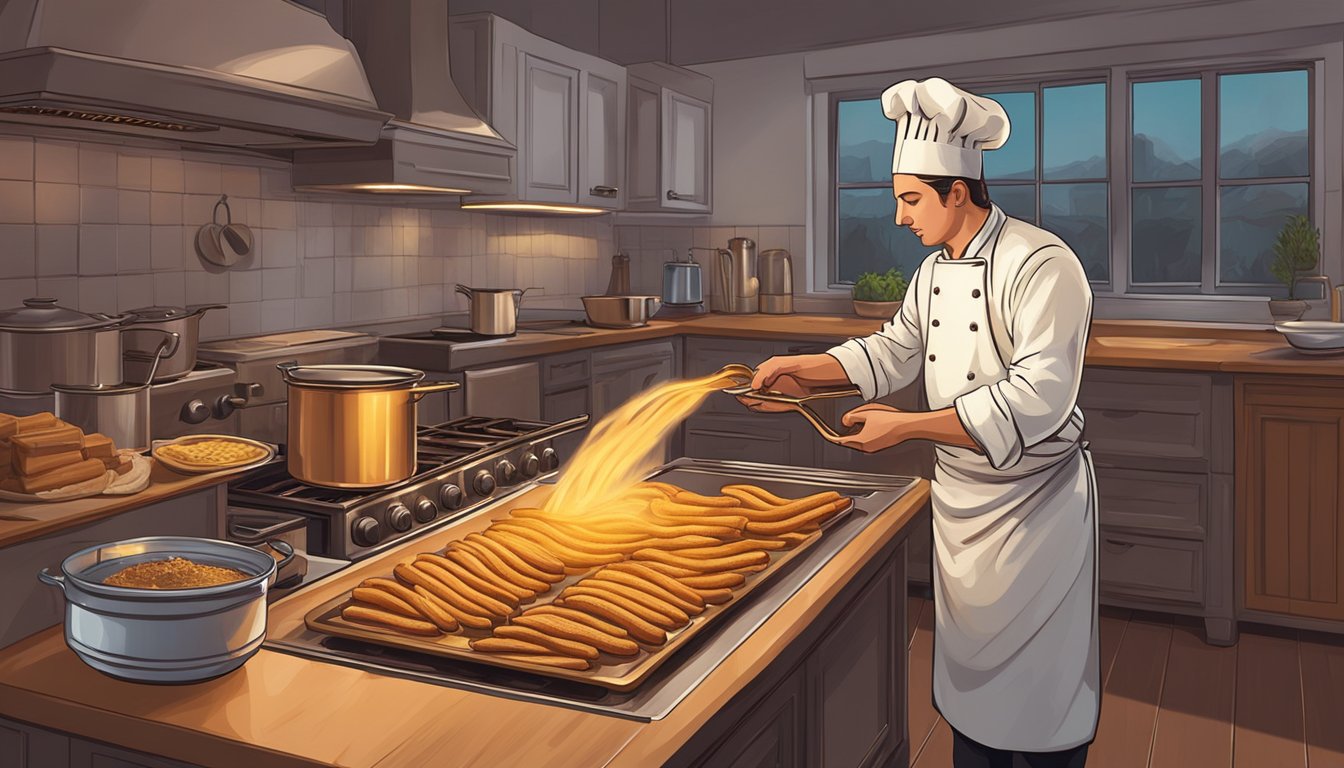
[[1000, 334]]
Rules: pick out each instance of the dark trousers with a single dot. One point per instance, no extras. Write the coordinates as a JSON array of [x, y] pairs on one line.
[[972, 754]]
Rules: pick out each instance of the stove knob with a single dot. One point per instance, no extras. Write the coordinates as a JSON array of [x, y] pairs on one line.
[[450, 497], [484, 483], [195, 412], [425, 510], [366, 532], [505, 472], [530, 465], [399, 517], [549, 460]]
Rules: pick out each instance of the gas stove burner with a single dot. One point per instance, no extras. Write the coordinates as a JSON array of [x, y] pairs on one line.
[[460, 464]]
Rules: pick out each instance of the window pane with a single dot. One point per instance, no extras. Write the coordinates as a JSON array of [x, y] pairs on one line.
[[1077, 214], [1016, 200], [1262, 125], [863, 141], [1166, 237], [1016, 159], [1249, 220], [1073, 143], [1166, 130], [869, 239]]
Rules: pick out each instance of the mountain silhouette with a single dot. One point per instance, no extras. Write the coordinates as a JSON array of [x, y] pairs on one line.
[[1155, 160], [865, 161], [1268, 153]]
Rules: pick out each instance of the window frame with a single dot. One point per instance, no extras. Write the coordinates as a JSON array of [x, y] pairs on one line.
[[1210, 183], [1317, 47]]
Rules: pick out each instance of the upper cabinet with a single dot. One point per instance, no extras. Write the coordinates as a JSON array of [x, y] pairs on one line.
[[670, 130], [563, 109]]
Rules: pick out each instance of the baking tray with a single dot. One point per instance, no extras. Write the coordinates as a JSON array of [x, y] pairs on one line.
[[612, 672]]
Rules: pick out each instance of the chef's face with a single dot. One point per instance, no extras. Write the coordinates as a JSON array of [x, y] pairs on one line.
[[918, 207]]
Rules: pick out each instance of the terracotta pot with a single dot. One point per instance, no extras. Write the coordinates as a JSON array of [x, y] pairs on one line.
[[1286, 310], [884, 310]]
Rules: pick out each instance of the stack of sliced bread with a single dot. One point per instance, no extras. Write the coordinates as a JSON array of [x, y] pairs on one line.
[[42, 453]]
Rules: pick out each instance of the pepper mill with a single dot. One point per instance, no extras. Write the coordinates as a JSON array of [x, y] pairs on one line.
[[619, 284]]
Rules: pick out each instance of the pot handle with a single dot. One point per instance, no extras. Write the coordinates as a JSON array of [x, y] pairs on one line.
[[464, 290], [418, 392], [284, 548], [167, 347], [201, 309], [652, 304], [52, 579]]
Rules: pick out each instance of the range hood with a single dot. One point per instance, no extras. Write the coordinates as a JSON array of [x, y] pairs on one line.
[[435, 142], [262, 74]]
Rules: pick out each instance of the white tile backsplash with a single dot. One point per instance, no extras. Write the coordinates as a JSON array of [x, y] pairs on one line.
[[16, 158], [134, 172], [16, 202], [14, 291], [279, 283], [166, 174], [18, 250], [133, 207], [56, 203], [57, 250], [98, 205], [165, 208], [170, 289], [201, 178], [56, 161], [97, 250], [134, 291], [166, 247], [245, 285], [97, 165], [133, 248], [277, 247]]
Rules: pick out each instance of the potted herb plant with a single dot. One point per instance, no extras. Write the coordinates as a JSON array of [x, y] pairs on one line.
[[879, 296], [1295, 253]]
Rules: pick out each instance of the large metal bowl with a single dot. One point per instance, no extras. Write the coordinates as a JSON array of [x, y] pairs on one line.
[[620, 311], [165, 635]]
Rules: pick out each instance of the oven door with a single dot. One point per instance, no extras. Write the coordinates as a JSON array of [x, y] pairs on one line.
[[512, 391]]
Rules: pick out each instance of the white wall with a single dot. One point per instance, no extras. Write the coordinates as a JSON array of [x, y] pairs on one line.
[[760, 141]]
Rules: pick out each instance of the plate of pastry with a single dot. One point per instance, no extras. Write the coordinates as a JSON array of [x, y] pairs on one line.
[[203, 454], [43, 458]]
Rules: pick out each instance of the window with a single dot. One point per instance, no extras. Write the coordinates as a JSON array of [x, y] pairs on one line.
[[1064, 191], [1218, 161]]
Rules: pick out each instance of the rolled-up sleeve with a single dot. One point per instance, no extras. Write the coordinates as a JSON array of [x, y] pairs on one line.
[[889, 359], [1051, 311]]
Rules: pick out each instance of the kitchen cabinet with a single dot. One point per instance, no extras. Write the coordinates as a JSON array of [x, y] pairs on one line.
[[1290, 497], [563, 109], [670, 139], [505, 390], [90, 754], [620, 373], [835, 697], [26, 746], [1161, 447], [567, 404]]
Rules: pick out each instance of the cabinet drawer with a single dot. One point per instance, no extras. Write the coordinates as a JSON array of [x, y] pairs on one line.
[[705, 356], [1151, 568], [739, 439], [564, 372], [1167, 502], [1146, 419]]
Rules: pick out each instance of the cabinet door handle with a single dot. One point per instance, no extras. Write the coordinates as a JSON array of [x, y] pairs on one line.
[[673, 195], [1119, 413], [1117, 546], [601, 190]]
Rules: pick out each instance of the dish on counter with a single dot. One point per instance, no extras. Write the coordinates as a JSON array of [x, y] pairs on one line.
[[43, 458], [173, 573], [1313, 337], [603, 598], [203, 454]]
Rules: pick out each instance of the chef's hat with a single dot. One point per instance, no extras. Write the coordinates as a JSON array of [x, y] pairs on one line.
[[941, 129]]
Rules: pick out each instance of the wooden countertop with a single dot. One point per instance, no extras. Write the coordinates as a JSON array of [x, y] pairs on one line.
[[1124, 343], [47, 517], [282, 710]]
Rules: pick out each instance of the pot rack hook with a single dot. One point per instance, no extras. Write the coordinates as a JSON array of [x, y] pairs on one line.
[[228, 213]]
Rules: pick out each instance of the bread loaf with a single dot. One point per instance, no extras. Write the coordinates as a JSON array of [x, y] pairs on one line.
[[60, 477], [30, 464], [9, 425], [37, 421], [99, 446], [47, 441]]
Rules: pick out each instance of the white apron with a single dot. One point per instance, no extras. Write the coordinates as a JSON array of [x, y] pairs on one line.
[[1015, 652]]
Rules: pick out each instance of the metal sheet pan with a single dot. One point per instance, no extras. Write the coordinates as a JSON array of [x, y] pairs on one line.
[[611, 672]]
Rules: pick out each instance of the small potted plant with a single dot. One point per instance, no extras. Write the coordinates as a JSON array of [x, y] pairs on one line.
[[1295, 253], [879, 296]]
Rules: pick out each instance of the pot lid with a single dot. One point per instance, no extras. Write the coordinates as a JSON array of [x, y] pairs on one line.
[[350, 376], [43, 314], [159, 313]]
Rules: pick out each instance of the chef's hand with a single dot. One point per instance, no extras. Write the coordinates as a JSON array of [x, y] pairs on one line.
[[880, 427], [785, 384]]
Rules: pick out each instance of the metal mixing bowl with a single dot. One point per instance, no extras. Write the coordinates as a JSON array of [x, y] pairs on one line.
[[620, 311]]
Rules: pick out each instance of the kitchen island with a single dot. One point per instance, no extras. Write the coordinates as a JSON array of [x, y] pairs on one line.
[[769, 695]]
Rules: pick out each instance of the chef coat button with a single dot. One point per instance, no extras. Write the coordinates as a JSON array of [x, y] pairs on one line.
[[974, 327], [932, 358], [975, 294], [936, 291], [935, 323], [970, 377]]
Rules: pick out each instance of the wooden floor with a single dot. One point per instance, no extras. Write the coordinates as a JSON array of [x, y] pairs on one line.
[[1275, 700]]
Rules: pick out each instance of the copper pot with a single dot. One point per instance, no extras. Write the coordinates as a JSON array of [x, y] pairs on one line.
[[353, 426]]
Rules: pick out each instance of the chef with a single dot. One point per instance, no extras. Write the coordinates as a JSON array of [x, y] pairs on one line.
[[998, 319]]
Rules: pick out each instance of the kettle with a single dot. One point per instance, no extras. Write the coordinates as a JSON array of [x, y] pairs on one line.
[[494, 311], [736, 287], [776, 282]]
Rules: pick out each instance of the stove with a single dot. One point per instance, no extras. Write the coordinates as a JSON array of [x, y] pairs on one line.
[[462, 465]]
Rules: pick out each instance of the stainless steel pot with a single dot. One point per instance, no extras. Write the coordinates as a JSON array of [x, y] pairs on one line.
[[353, 426], [43, 344], [494, 311], [165, 635], [620, 311], [122, 411], [682, 283], [142, 334]]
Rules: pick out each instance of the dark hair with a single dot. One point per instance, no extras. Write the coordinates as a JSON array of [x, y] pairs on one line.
[[943, 185]]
